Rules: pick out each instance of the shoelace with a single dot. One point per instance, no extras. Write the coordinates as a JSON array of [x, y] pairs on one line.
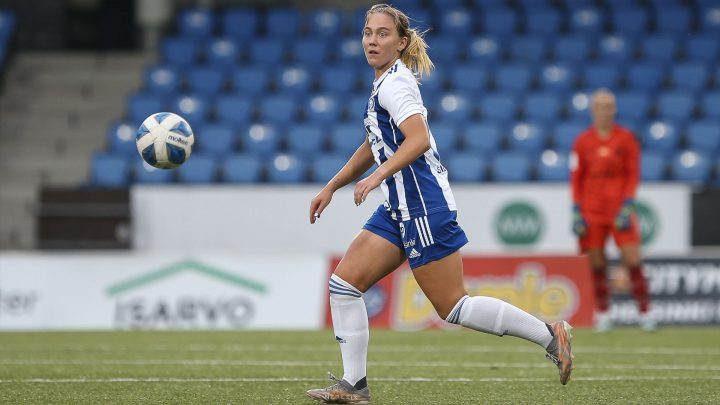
[[553, 358]]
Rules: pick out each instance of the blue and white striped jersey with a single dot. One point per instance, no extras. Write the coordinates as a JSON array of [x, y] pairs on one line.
[[422, 187]]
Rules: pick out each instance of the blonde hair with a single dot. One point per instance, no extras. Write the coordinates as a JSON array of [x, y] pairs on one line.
[[415, 55]]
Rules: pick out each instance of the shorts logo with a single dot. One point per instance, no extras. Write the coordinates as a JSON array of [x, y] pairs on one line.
[[402, 230], [413, 254], [410, 243], [424, 233]]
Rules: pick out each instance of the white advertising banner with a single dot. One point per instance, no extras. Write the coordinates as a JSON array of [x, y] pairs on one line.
[[527, 218], [138, 291]]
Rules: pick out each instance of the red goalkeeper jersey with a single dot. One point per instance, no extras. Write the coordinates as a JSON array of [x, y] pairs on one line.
[[604, 172]]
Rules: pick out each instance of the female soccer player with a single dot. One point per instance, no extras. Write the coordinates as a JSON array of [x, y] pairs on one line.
[[417, 222]]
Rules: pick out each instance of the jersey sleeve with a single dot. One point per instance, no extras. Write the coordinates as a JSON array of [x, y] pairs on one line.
[[632, 165], [400, 96], [577, 171]]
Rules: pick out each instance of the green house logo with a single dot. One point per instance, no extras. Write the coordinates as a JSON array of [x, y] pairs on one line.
[[649, 222], [519, 223]]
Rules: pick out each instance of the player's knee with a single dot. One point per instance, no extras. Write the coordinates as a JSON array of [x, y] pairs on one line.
[[453, 314], [341, 289]]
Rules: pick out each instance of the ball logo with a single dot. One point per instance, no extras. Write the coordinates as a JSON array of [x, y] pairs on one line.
[[519, 223], [649, 222]]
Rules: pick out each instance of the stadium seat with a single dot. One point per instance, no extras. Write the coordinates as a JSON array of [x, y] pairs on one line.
[[346, 138], [672, 19], [355, 108], [241, 168], [515, 78], [709, 105], [7, 24], [704, 136], [325, 22], [632, 105], [615, 49], [628, 19], [434, 83], [142, 105], [586, 20], [601, 75], [529, 49], [511, 167], [240, 23], [565, 133], [447, 136], [710, 19], [483, 138], [653, 166], [553, 166], [660, 137], [542, 106], [660, 48], [180, 52], [310, 53], [216, 140], [444, 49], [193, 107], [646, 76], [322, 109], [162, 80], [109, 170], [278, 109], [199, 169], [250, 80], [233, 109], [468, 78], [456, 107], [267, 51], [578, 106], [690, 76], [499, 21], [690, 167], [223, 54], [455, 21], [206, 80], [294, 80], [144, 173], [121, 137], [286, 168], [305, 140], [703, 48], [339, 80], [283, 23], [545, 21], [572, 49], [466, 167], [197, 23], [485, 50], [500, 107], [350, 52], [676, 105], [325, 166], [527, 137], [260, 139]]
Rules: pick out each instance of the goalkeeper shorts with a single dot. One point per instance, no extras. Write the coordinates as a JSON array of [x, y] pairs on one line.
[[597, 235]]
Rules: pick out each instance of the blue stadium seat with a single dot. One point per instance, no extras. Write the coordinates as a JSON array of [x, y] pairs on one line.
[[628, 19], [553, 166], [676, 105], [286, 168], [356, 106], [691, 167], [121, 137], [574, 49], [500, 21], [498, 106], [294, 80], [546, 21], [565, 133], [528, 137], [7, 24], [615, 49], [672, 19], [690, 76], [197, 23], [250, 80], [705, 48], [325, 22], [646, 76], [542, 106], [346, 138], [435, 82], [216, 139], [142, 105], [710, 19], [447, 136], [193, 107], [704, 136], [325, 166], [339, 80], [653, 166], [305, 139], [486, 50], [310, 53], [179, 52], [466, 167], [267, 51], [586, 20], [283, 23], [322, 109], [350, 52], [601, 75], [235, 110], [661, 137], [240, 23], [455, 21], [513, 77], [511, 167], [483, 138], [260, 139], [144, 173], [199, 169], [709, 105], [456, 107], [161, 79], [468, 78], [109, 170], [223, 53], [206, 80], [241, 168], [660, 48], [278, 109], [444, 49], [530, 49], [578, 105], [632, 105]]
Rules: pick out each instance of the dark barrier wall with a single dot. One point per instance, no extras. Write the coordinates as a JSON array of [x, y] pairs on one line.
[[706, 218]]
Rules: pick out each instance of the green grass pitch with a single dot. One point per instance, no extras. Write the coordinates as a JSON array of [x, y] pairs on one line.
[[624, 366]]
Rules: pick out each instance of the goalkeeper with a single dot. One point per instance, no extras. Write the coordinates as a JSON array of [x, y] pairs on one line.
[[604, 177]]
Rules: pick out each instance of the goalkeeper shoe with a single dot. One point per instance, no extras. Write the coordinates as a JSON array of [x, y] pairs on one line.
[[560, 352], [342, 392]]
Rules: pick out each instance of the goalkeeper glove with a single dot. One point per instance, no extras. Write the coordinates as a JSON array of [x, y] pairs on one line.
[[579, 226], [622, 220]]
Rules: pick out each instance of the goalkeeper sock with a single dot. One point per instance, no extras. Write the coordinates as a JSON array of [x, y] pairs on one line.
[[602, 290], [350, 323], [491, 315], [640, 288]]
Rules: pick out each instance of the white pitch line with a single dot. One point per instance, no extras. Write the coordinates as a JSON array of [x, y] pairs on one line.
[[421, 364], [380, 379]]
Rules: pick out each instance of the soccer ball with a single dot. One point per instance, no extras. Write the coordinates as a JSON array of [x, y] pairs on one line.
[[165, 140]]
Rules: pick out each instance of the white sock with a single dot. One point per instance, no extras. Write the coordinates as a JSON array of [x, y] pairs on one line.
[[350, 323], [491, 315]]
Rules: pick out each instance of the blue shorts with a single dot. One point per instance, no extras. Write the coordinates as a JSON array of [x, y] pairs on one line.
[[424, 239]]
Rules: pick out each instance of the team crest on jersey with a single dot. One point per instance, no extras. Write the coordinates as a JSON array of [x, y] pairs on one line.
[[371, 104]]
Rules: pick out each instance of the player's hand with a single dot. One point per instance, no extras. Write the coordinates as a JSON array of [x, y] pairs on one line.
[[579, 226], [365, 186], [623, 218], [318, 204]]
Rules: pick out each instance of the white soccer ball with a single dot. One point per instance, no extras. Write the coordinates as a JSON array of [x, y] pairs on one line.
[[165, 140]]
